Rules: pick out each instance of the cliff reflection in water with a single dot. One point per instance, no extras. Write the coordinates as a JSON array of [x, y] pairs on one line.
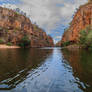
[[81, 63], [45, 70], [15, 65]]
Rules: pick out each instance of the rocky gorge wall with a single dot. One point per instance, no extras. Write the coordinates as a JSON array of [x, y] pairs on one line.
[[81, 20], [14, 26], [58, 44]]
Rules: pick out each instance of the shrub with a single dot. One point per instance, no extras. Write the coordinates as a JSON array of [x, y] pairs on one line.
[[9, 44], [86, 37], [1, 41], [88, 41], [1, 28], [25, 42], [83, 36], [15, 30], [65, 43], [17, 13]]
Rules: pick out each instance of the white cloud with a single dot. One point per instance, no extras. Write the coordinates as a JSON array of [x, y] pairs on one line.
[[48, 13], [58, 37]]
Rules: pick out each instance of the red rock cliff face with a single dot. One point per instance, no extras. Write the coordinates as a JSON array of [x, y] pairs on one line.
[[58, 44], [14, 26], [81, 20], [40, 38]]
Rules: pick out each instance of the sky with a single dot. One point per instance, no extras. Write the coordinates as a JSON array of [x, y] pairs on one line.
[[52, 15]]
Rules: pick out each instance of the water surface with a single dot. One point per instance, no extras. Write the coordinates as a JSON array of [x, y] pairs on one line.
[[45, 70]]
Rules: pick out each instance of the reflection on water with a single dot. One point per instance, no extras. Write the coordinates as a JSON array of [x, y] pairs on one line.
[[45, 70], [81, 63], [15, 64]]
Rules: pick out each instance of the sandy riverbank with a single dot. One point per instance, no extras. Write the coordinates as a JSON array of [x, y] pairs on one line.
[[10, 47]]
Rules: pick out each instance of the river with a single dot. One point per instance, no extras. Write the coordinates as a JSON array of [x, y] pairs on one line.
[[45, 70]]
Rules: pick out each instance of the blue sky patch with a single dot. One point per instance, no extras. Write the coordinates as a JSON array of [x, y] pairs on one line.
[[10, 2]]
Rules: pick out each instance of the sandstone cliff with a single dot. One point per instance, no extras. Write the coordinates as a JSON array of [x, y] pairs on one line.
[[14, 27], [81, 20], [58, 44]]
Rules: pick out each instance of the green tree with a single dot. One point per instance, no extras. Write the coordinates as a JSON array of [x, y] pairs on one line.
[[86, 37], [25, 42]]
